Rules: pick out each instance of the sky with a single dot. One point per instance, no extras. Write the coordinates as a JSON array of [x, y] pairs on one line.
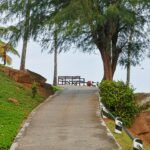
[[88, 66]]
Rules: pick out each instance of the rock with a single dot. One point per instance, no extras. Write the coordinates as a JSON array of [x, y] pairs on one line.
[[13, 100]]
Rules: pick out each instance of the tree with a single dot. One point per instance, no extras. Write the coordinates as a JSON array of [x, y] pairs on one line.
[[133, 52], [20, 11], [25, 34], [4, 49], [55, 57], [47, 33], [52, 41], [90, 24], [102, 25], [129, 61]]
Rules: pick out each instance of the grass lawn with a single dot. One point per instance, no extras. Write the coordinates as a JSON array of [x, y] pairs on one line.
[[12, 115], [124, 141]]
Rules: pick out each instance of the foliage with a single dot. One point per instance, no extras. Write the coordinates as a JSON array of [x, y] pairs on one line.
[[7, 48], [119, 99], [102, 25], [34, 89], [56, 88], [11, 115], [133, 51], [17, 14], [90, 24]]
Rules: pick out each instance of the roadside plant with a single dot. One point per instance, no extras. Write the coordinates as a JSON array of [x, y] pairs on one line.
[[56, 88], [119, 99], [6, 48], [34, 89]]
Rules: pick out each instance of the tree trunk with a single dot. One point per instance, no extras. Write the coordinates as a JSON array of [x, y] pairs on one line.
[[107, 65], [4, 57], [114, 65], [115, 60], [23, 56], [128, 66], [129, 58], [55, 58], [128, 73], [26, 34]]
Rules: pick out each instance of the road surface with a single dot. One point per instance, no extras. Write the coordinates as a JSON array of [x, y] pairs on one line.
[[69, 121]]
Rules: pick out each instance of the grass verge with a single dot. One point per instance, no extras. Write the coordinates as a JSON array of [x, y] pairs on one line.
[[56, 88], [123, 139], [16, 103]]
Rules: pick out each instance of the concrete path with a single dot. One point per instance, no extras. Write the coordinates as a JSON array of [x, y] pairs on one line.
[[68, 122]]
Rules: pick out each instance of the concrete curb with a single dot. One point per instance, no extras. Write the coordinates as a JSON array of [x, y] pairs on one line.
[[27, 122], [109, 133]]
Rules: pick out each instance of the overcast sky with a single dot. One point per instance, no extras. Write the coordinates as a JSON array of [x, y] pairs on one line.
[[88, 66]]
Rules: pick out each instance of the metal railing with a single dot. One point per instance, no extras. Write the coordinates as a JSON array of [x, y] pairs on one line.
[[137, 143]]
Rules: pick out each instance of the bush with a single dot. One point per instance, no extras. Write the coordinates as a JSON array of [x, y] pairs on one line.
[[34, 89], [55, 88], [119, 99]]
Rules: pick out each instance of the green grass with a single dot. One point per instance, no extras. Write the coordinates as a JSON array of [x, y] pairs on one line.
[[123, 139], [56, 88], [11, 115]]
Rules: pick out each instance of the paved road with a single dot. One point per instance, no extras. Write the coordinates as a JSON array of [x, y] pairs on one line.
[[68, 122]]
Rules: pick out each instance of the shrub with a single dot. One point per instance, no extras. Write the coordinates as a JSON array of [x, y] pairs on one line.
[[34, 89], [119, 99], [55, 88]]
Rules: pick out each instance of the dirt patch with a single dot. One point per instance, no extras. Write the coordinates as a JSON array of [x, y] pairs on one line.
[[141, 127], [26, 78], [141, 124], [13, 100], [142, 98]]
